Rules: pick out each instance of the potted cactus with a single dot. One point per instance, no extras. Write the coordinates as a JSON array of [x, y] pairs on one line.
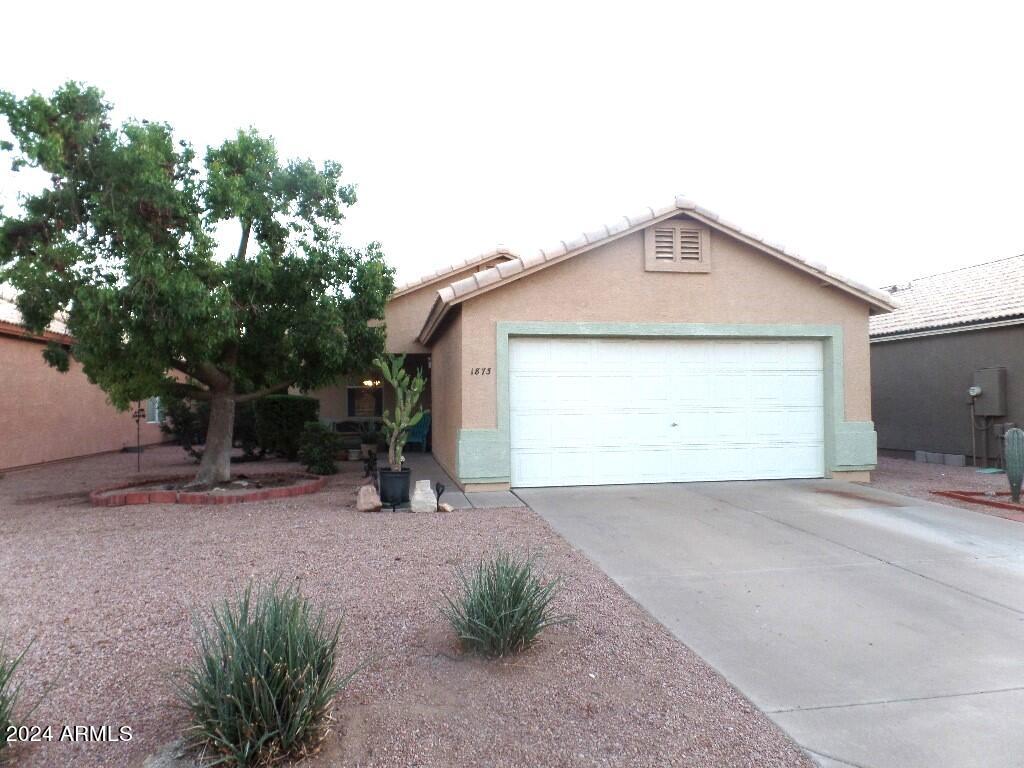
[[394, 481], [1013, 450]]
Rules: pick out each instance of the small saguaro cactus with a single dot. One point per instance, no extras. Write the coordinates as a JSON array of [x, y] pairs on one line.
[[407, 413], [1014, 453]]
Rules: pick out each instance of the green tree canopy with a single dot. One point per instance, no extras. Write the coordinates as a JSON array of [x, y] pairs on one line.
[[122, 242]]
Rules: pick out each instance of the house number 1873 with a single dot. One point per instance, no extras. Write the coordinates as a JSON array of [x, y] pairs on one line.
[[479, 371]]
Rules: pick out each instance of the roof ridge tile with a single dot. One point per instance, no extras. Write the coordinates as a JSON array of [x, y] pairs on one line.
[[625, 224]]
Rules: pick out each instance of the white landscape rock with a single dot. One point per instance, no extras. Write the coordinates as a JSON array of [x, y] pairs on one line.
[[444, 506], [423, 498], [368, 500]]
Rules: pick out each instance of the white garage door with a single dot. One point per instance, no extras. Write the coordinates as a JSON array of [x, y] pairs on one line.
[[587, 411]]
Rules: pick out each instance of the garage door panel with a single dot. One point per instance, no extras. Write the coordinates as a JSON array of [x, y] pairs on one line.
[[691, 387], [784, 461], [729, 389], [786, 426], [785, 389], [651, 388], [766, 354], [654, 429], [530, 357], [617, 355], [531, 390], [572, 431], [576, 466], [611, 388], [534, 467], [568, 391], [692, 426], [612, 464], [725, 354], [531, 430], [806, 355], [618, 429], [801, 388], [596, 411]]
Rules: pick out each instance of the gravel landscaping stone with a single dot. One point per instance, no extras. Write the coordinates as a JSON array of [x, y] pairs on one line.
[[108, 595], [918, 479]]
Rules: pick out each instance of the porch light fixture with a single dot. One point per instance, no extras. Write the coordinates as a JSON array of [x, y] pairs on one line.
[[371, 382]]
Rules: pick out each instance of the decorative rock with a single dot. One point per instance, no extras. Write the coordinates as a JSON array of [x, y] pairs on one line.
[[171, 755], [423, 498], [444, 506], [368, 500]]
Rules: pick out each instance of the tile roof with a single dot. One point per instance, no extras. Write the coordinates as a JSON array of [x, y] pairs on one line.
[[501, 252], [966, 296], [487, 278]]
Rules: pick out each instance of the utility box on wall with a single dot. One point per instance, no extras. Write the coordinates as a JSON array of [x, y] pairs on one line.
[[992, 400]]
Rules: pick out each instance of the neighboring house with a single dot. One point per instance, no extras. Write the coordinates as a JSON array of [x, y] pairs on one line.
[[46, 415], [668, 346], [948, 329]]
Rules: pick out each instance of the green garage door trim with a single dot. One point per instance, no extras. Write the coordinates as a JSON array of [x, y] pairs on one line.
[[484, 455]]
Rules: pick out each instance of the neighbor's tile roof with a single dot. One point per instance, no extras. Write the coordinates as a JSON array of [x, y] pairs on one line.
[[508, 270], [966, 296], [9, 313]]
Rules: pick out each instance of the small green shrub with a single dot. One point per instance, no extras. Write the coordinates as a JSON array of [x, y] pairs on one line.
[[8, 690], [187, 421], [503, 605], [263, 677], [245, 436], [280, 420], [318, 447]]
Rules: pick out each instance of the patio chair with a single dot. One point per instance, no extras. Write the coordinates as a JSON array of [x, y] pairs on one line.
[[418, 434]]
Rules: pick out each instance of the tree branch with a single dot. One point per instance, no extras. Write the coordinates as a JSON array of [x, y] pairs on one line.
[[189, 391], [181, 365], [261, 392], [211, 376], [243, 246]]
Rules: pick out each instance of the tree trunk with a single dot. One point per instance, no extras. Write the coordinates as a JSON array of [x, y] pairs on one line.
[[216, 464]]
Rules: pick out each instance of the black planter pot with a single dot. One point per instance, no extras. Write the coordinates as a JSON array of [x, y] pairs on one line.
[[394, 486]]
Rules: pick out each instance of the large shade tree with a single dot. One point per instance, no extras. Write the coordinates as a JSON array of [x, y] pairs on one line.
[[123, 240]]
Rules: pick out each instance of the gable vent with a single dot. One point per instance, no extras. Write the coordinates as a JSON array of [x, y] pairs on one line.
[[664, 244], [689, 244], [677, 246]]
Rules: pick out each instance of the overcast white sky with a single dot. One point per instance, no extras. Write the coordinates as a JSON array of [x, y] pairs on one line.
[[884, 140]]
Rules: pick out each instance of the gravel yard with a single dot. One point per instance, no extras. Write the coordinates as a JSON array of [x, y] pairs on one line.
[[108, 595], [917, 479]]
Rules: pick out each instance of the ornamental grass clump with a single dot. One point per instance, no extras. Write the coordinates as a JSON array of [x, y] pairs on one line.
[[502, 606], [9, 691], [263, 678]]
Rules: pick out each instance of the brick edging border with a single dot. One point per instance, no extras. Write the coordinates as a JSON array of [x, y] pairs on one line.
[[980, 497], [98, 499]]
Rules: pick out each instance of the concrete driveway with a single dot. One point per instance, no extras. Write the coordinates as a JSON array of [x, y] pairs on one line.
[[877, 630]]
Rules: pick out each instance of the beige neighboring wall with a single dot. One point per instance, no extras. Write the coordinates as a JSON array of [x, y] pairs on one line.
[[46, 415], [609, 284], [446, 367], [333, 399]]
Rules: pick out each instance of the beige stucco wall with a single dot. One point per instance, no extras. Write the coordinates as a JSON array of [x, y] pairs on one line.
[[446, 364], [609, 284], [405, 315], [334, 398], [404, 318], [46, 415]]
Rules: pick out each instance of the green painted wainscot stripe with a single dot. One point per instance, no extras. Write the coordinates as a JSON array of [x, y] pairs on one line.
[[484, 454]]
